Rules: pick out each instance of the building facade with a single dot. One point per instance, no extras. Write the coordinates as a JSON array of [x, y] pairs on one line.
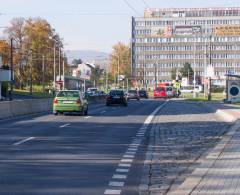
[[165, 39]]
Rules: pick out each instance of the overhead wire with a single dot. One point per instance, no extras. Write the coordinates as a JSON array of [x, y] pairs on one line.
[[131, 7], [145, 3]]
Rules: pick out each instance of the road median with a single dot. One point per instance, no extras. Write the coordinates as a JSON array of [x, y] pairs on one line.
[[10, 109]]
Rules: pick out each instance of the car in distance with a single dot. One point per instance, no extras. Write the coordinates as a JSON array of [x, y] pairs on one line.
[[133, 94], [70, 101], [143, 93], [170, 91], [160, 92], [116, 97]]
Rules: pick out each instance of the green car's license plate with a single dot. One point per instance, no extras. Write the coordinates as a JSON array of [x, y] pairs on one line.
[[68, 102]]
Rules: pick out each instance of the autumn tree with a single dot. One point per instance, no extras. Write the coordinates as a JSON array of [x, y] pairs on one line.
[[120, 60], [16, 31], [4, 53], [186, 70], [34, 40]]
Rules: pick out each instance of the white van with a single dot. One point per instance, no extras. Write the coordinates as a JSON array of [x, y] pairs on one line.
[[190, 89]]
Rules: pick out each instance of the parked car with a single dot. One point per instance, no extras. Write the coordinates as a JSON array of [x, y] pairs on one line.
[[143, 93], [88, 93], [133, 94], [92, 90], [160, 92], [116, 97], [70, 101]]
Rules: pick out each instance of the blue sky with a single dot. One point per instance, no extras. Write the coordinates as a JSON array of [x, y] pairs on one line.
[[93, 24]]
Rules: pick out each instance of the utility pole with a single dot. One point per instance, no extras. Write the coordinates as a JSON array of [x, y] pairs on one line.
[[54, 66], [106, 79], [155, 73], [118, 73], [43, 74], [63, 71], [205, 69], [210, 62], [194, 69], [59, 64], [31, 77], [11, 64]]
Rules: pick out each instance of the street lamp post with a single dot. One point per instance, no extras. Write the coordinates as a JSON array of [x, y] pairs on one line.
[[11, 64], [43, 74], [118, 73], [63, 71], [54, 65], [194, 69]]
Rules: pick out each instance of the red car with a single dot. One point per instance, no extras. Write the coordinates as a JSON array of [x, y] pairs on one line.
[[160, 92]]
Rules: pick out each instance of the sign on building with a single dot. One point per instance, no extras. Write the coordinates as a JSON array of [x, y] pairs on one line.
[[210, 71], [161, 31], [227, 30], [187, 30]]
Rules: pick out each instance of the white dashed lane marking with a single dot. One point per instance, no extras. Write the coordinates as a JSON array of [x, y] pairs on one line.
[[124, 165], [118, 176], [127, 160], [66, 125], [128, 156], [112, 191], [116, 183], [122, 170], [23, 141]]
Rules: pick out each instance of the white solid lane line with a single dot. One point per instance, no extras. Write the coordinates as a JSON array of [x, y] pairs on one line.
[[66, 125], [112, 191], [23, 141]]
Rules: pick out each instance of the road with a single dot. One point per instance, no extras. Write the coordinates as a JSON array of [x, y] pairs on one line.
[[70, 154]]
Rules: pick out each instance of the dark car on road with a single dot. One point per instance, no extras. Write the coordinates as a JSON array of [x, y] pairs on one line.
[[133, 94], [116, 97], [143, 94]]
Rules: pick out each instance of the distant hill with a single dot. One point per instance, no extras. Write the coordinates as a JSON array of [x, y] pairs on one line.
[[86, 55]]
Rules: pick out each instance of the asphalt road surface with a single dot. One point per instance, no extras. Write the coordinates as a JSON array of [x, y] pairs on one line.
[[71, 154]]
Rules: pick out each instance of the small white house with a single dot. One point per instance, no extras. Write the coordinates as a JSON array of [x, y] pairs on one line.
[[83, 71]]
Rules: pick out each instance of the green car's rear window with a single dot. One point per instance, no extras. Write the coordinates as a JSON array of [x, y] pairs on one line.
[[68, 94]]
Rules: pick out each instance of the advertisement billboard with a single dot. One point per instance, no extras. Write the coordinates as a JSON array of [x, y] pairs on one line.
[[187, 30], [227, 30], [161, 31]]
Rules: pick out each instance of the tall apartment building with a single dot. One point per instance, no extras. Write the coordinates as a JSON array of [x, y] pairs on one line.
[[168, 38]]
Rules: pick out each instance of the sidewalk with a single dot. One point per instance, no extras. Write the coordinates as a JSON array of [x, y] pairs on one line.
[[219, 172]]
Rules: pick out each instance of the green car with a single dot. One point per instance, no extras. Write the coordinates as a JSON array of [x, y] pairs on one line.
[[70, 101]]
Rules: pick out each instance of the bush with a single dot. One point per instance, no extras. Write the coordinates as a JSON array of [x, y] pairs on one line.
[[216, 89]]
